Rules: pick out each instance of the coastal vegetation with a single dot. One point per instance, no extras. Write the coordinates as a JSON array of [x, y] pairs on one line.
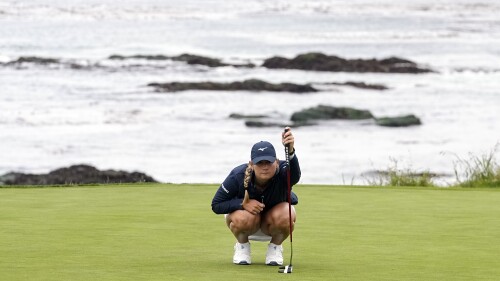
[[475, 171], [478, 170], [481, 171]]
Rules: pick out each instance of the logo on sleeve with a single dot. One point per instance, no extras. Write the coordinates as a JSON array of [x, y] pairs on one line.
[[223, 187]]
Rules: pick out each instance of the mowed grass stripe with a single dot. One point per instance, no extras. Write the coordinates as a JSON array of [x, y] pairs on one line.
[[168, 232]]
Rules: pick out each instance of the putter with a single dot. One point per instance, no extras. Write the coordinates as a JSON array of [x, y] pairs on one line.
[[288, 268]]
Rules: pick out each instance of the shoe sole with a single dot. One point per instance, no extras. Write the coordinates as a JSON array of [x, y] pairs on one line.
[[273, 263], [242, 263]]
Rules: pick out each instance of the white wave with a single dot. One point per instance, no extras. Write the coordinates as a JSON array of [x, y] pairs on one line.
[[108, 11], [462, 9], [108, 117], [200, 9]]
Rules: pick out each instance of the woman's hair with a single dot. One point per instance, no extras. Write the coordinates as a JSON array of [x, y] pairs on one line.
[[248, 175]]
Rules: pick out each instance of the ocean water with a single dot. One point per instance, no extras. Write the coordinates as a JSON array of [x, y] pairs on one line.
[[90, 109]]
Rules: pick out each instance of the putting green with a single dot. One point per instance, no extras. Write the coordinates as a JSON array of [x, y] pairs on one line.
[[168, 232]]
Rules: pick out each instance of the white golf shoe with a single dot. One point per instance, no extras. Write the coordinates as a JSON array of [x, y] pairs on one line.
[[274, 254], [242, 254]]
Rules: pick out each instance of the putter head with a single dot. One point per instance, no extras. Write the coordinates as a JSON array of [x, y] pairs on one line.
[[285, 269]]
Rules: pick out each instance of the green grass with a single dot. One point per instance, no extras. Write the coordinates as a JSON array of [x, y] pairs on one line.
[[475, 171], [478, 171], [395, 176], [168, 232]]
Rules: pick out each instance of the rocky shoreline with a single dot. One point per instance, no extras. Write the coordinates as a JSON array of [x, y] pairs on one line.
[[187, 58], [322, 62], [360, 85], [85, 174], [312, 61], [253, 85], [73, 175], [310, 116], [308, 61], [256, 85]]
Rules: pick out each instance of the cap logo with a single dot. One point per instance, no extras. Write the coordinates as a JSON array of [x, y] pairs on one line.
[[262, 148]]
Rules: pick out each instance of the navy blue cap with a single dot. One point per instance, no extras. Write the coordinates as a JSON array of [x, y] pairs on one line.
[[263, 150]]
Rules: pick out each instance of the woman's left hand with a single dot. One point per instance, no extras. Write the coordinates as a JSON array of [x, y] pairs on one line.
[[288, 139]]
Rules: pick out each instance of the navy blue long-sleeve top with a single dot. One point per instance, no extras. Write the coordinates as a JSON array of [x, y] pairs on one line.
[[229, 196]]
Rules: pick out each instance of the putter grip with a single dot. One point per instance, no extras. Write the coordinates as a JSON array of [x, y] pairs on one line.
[[287, 149]]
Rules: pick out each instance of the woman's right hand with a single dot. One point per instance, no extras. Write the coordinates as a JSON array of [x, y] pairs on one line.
[[253, 206]]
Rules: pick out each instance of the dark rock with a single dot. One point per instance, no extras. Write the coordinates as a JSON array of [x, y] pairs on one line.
[[242, 116], [143, 57], [76, 174], [362, 85], [247, 85], [329, 112], [34, 60], [261, 124], [193, 59], [51, 62], [322, 62], [210, 62], [395, 61], [187, 58], [398, 121]]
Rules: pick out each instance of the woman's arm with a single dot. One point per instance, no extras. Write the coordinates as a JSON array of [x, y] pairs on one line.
[[226, 199], [295, 172]]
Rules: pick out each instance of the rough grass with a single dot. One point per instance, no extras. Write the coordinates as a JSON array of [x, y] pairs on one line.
[[395, 176], [475, 171], [478, 171], [168, 232]]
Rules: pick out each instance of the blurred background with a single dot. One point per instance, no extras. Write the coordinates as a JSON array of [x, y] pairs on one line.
[[70, 103]]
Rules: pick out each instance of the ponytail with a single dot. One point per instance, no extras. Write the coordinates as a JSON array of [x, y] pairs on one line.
[[246, 180], [248, 176]]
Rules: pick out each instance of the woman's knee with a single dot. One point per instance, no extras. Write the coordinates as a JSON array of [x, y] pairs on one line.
[[278, 216], [243, 220]]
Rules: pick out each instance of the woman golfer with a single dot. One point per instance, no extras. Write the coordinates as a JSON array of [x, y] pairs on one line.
[[263, 216]]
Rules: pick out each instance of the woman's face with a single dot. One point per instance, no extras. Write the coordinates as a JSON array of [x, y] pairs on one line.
[[265, 170]]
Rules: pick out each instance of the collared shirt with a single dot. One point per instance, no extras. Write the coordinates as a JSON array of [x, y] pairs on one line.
[[229, 196]]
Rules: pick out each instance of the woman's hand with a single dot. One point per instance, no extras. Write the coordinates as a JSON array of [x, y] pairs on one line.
[[253, 206], [288, 139]]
